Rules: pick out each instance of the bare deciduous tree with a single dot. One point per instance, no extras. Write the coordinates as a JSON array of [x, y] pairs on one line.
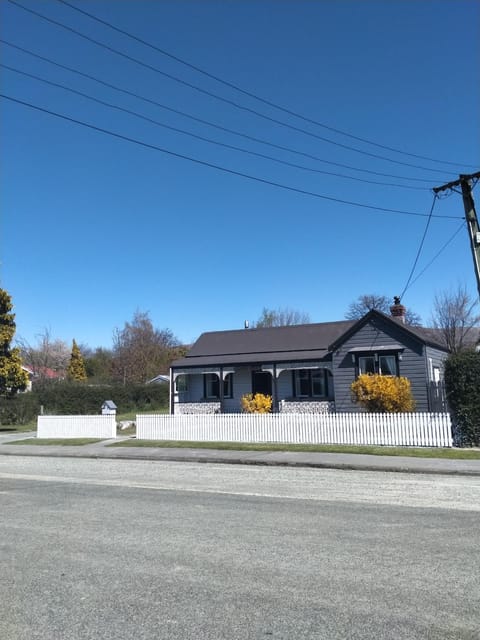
[[368, 301], [140, 352], [45, 356], [456, 318], [281, 317]]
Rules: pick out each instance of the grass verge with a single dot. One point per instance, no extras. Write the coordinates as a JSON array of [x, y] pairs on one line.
[[62, 442], [18, 428], [414, 452]]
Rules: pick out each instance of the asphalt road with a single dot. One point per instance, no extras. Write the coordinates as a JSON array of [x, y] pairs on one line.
[[107, 549]]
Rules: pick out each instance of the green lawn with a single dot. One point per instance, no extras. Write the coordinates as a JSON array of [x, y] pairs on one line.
[[63, 442], [18, 428], [416, 452]]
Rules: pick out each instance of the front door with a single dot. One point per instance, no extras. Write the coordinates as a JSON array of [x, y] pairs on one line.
[[262, 383]]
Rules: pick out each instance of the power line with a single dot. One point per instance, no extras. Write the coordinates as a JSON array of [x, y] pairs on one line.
[[216, 96], [421, 245], [196, 136], [208, 123], [248, 93], [215, 166], [437, 254]]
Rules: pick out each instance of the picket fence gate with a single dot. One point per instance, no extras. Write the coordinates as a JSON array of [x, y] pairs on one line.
[[391, 429]]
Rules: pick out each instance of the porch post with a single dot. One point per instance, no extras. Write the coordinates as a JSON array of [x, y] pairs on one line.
[[171, 388], [220, 389], [275, 390]]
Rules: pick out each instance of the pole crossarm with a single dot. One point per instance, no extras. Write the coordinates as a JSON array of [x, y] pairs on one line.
[[456, 183], [464, 181]]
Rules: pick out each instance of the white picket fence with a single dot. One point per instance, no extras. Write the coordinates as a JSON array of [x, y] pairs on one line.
[[402, 429], [99, 426]]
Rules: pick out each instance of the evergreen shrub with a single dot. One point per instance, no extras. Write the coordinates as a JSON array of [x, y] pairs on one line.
[[462, 381], [18, 410]]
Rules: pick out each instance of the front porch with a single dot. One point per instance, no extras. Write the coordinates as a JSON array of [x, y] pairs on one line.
[[295, 387]]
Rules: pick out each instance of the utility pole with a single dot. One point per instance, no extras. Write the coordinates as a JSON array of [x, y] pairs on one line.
[[465, 182]]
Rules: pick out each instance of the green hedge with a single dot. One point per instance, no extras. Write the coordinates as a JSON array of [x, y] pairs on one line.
[[73, 398], [21, 409], [462, 380]]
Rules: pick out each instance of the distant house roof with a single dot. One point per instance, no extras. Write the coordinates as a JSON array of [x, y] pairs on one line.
[[42, 372], [109, 404], [160, 378]]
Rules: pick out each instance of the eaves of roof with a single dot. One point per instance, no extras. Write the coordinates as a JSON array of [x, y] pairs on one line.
[[253, 358]]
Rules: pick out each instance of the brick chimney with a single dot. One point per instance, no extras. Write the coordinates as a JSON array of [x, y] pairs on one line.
[[397, 310]]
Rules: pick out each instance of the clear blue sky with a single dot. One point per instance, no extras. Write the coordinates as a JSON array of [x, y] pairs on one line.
[[94, 227]]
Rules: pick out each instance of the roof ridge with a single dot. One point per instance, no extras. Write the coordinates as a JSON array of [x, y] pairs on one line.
[[284, 327]]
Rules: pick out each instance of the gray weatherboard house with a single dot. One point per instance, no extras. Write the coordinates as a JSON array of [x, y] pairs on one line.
[[309, 367]]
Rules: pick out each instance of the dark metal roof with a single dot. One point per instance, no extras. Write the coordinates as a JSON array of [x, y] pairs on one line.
[[437, 336], [286, 344], [273, 344]]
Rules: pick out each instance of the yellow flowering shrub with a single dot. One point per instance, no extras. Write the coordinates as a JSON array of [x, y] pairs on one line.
[[383, 394], [258, 403]]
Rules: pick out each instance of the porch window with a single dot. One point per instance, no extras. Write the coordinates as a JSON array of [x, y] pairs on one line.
[[212, 385], [210, 381], [181, 384], [385, 365], [319, 383], [308, 383], [228, 386]]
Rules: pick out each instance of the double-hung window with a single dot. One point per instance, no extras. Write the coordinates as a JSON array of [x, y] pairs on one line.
[[212, 385], [228, 386], [181, 384], [310, 383], [385, 365], [366, 364], [212, 389]]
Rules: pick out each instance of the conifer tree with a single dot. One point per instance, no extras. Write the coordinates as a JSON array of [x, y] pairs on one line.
[[76, 368], [12, 377]]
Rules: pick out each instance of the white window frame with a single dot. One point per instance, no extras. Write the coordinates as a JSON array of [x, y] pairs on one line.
[[361, 364], [395, 364], [376, 358]]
